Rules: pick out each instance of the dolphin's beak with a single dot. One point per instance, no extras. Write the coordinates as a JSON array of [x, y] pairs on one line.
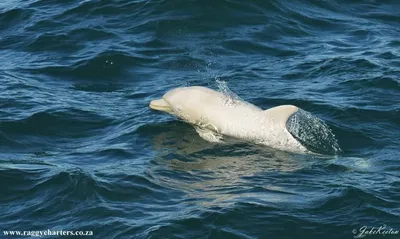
[[160, 105]]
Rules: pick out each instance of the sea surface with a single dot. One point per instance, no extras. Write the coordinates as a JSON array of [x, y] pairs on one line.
[[80, 150]]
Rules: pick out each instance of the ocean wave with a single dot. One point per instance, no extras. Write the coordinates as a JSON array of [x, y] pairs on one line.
[[14, 17], [249, 47], [351, 195], [332, 66], [69, 123], [7, 142], [72, 41], [68, 185], [55, 43], [103, 66], [383, 16]]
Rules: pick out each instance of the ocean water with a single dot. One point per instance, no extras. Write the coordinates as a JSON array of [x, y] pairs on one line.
[[80, 150]]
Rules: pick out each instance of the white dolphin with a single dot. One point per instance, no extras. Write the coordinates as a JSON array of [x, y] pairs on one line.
[[215, 115]]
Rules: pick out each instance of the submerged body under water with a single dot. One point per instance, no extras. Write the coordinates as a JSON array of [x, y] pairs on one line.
[[81, 151]]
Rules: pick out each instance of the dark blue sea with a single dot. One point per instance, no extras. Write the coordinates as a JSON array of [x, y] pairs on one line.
[[80, 149]]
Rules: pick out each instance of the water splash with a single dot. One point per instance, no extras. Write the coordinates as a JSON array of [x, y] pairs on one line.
[[312, 132], [231, 98], [209, 135]]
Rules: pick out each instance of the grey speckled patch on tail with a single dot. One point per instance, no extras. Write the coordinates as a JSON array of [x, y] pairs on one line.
[[312, 133]]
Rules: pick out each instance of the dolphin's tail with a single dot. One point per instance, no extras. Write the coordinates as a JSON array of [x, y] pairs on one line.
[[312, 133]]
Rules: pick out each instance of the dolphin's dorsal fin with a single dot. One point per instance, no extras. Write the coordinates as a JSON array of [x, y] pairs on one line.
[[280, 114]]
